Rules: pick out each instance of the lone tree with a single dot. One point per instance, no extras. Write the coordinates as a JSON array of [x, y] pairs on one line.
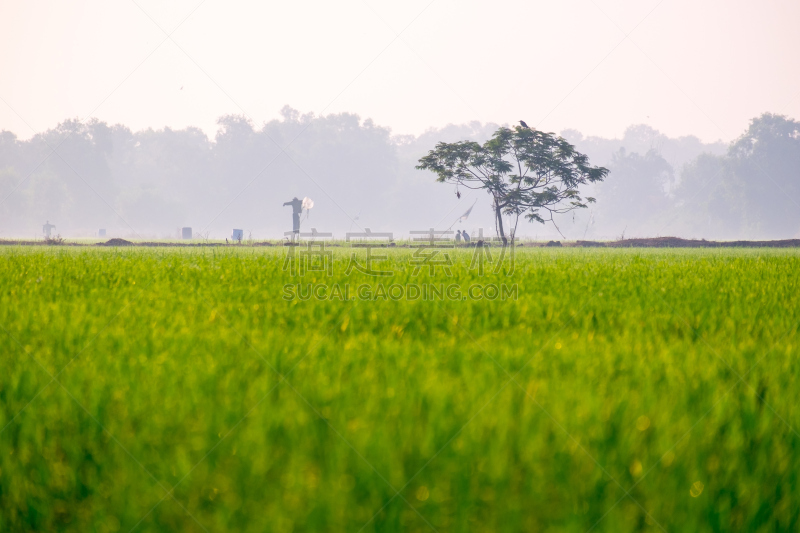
[[526, 171]]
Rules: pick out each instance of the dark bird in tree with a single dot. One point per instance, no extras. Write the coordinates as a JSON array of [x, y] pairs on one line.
[[522, 123]]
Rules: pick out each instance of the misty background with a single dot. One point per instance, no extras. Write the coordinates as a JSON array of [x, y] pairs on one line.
[[149, 183], [180, 115]]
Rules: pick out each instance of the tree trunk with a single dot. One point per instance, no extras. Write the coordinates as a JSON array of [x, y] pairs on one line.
[[499, 217]]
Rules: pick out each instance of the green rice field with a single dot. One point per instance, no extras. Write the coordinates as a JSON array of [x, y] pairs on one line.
[[218, 389]]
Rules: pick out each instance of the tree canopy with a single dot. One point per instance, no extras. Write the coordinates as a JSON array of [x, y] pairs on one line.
[[526, 171]]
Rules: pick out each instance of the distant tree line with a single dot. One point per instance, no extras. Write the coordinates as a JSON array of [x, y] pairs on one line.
[[152, 182], [748, 189]]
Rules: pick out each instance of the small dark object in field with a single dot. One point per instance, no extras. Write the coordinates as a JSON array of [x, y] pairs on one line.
[[116, 242], [58, 239], [553, 243]]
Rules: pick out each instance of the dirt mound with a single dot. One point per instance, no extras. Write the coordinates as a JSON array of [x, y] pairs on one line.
[[115, 242], [660, 242]]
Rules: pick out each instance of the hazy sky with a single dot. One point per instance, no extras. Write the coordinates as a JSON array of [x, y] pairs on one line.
[[685, 67]]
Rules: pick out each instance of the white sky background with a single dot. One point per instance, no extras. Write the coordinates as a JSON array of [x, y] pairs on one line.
[[687, 67]]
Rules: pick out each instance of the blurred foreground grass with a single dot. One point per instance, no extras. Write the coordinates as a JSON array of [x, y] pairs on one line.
[[177, 390]]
